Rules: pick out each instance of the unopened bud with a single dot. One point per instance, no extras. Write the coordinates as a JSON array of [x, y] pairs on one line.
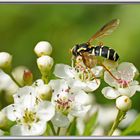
[[123, 103], [43, 48], [28, 77], [45, 64], [18, 73], [5, 60]]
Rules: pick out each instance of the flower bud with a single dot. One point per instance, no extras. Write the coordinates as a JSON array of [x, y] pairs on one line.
[[44, 92], [123, 103], [45, 64], [28, 77], [43, 48], [18, 73], [5, 60]]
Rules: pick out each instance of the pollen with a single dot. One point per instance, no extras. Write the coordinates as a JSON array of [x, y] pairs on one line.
[[63, 104]]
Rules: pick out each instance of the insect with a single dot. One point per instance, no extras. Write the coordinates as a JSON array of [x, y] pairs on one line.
[[89, 53]]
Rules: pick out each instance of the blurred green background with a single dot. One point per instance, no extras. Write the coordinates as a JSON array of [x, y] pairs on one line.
[[64, 25]]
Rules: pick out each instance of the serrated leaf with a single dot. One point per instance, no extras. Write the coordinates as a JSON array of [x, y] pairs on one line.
[[133, 129], [90, 125]]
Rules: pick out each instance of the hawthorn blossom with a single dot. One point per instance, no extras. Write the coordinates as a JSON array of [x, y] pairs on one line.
[[43, 90], [78, 77], [67, 101], [123, 83], [7, 84], [31, 116]]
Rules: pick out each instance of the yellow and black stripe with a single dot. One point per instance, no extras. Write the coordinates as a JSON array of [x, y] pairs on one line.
[[105, 52]]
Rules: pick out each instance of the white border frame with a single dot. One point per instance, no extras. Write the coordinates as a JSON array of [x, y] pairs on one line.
[[71, 2]]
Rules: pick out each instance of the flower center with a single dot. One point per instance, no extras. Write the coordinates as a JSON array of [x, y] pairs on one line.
[[63, 104], [123, 83], [83, 73], [124, 79], [29, 117]]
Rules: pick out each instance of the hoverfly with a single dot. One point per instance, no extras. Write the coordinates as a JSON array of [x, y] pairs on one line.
[[89, 53]]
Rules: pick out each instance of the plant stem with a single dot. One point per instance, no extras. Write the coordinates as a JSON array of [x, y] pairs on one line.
[[119, 118], [52, 128], [14, 79], [45, 79], [58, 131]]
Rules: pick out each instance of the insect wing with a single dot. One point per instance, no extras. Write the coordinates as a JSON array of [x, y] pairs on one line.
[[107, 29]]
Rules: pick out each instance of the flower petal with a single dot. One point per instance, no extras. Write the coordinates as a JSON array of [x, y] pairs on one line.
[[86, 86], [129, 91], [127, 70], [110, 93], [60, 120], [64, 71], [26, 97], [58, 85], [110, 80], [13, 112], [79, 110], [24, 130], [45, 110], [38, 83], [98, 71], [6, 83], [83, 98], [92, 85]]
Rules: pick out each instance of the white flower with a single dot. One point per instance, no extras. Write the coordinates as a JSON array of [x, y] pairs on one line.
[[31, 116], [43, 48], [79, 78], [7, 84], [67, 100], [122, 83], [45, 63], [5, 59], [43, 90], [123, 103]]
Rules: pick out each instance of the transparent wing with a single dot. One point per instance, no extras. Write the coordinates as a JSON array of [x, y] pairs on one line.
[[107, 29]]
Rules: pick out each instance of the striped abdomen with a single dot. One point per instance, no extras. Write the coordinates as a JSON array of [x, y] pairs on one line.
[[105, 52]]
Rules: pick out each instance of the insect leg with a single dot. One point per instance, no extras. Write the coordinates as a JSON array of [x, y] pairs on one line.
[[72, 61], [109, 72], [94, 76]]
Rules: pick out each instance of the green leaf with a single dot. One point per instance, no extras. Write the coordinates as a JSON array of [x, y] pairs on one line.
[[72, 130], [134, 128], [90, 125]]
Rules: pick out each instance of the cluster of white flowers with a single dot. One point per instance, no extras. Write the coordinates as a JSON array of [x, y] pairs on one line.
[[45, 104]]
